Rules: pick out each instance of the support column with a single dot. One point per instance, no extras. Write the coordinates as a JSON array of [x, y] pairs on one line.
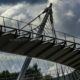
[[24, 68]]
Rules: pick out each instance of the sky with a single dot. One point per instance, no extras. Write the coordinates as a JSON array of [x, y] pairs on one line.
[[13, 63], [66, 13]]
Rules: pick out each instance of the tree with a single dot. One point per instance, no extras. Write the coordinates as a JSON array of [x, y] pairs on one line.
[[7, 75], [34, 73], [48, 77]]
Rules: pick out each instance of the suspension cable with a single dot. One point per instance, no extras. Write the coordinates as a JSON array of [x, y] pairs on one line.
[[32, 20]]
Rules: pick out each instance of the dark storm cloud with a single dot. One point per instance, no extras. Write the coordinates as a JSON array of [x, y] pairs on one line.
[[18, 1]]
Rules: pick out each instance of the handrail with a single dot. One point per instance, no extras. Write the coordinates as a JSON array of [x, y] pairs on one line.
[[41, 34], [65, 35]]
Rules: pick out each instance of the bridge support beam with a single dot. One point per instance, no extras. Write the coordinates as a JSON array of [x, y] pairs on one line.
[[24, 68]]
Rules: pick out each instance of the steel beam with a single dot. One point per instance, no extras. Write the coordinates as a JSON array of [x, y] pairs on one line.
[[24, 68]]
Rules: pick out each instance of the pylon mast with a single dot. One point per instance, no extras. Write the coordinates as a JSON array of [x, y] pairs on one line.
[[48, 12]]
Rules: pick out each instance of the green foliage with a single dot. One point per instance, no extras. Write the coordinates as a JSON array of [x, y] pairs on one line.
[[48, 77], [32, 73], [7, 75]]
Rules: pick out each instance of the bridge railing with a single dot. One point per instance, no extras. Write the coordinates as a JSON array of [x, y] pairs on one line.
[[60, 36], [12, 25]]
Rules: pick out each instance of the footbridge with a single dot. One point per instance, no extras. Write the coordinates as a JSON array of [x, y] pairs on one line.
[[40, 41]]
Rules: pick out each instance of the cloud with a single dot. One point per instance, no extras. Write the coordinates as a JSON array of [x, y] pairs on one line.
[[64, 12], [18, 1], [70, 14], [21, 11], [23, 8], [78, 20], [20, 17], [12, 10], [53, 70], [66, 15], [13, 62]]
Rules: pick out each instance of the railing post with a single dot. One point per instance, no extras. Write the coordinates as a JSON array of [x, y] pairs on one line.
[[57, 72], [4, 24], [0, 30], [65, 36], [63, 73], [74, 39], [18, 27], [31, 31]]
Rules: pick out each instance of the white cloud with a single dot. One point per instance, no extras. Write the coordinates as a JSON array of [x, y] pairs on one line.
[[12, 10], [70, 14], [23, 8], [11, 62], [52, 1], [20, 17], [26, 12], [78, 20], [53, 70], [21, 11], [3, 8]]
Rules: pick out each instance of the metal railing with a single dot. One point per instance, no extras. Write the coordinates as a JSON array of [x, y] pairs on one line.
[[9, 25]]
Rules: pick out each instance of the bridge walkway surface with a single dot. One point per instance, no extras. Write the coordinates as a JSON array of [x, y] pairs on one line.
[[51, 50]]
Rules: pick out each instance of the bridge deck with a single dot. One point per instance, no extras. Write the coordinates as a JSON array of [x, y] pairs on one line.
[[56, 52]]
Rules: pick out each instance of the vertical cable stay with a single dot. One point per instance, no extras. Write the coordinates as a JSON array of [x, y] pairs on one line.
[[48, 12], [68, 75], [63, 73], [57, 72]]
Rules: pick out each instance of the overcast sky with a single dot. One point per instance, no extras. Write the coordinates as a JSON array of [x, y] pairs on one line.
[[66, 13]]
